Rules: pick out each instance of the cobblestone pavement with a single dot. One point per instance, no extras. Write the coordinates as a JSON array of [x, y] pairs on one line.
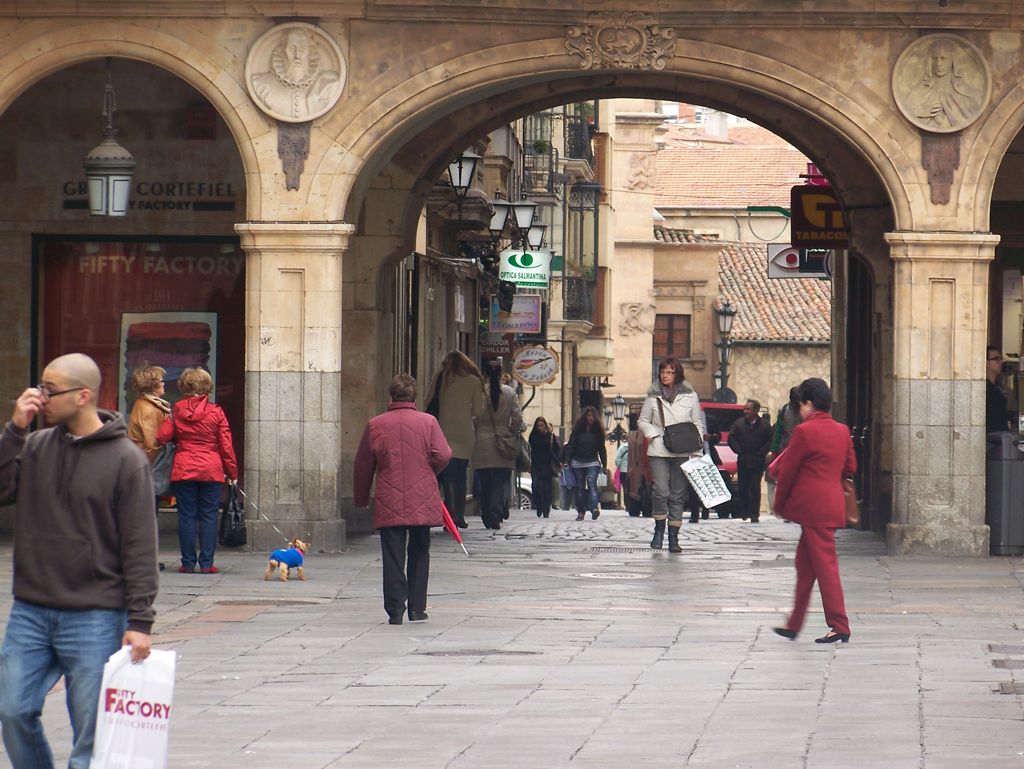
[[565, 644]]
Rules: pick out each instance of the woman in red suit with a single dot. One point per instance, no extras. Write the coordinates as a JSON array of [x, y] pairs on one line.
[[809, 491]]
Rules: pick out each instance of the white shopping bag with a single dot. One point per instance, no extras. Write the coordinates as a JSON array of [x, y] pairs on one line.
[[602, 480], [706, 480], [135, 712]]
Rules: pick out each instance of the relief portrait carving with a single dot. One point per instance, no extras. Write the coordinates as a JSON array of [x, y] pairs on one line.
[[941, 83], [295, 72], [636, 318]]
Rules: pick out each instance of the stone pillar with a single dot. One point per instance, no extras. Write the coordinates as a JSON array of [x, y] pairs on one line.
[[292, 379], [940, 332]]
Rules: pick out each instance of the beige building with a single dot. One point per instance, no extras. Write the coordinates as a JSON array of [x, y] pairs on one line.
[[316, 171]]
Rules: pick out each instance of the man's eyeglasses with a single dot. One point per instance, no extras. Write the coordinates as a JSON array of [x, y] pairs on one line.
[[996, 357], [47, 393]]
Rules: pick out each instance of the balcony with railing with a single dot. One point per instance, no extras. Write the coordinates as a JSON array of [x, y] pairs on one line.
[[578, 298]]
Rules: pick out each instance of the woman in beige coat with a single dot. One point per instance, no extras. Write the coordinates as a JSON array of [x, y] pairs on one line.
[[148, 413], [502, 415], [456, 398]]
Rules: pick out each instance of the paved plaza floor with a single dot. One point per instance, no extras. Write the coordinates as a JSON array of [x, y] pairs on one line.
[[565, 644]]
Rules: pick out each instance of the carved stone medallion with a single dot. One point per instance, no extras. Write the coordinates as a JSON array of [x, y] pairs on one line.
[[941, 83], [636, 318], [621, 41], [295, 72]]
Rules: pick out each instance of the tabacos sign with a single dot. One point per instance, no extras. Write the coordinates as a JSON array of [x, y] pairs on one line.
[[817, 218], [528, 269]]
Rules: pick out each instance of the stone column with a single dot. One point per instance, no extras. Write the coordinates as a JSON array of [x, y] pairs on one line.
[[940, 332], [292, 379]]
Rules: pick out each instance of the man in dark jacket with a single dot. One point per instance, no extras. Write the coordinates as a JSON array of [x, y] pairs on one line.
[[85, 549], [750, 437]]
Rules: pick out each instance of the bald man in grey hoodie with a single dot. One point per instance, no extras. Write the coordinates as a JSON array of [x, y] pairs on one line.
[[85, 556]]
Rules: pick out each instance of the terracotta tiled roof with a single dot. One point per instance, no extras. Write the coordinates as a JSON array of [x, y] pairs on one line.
[[727, 175], [776, 310], [669, 235]]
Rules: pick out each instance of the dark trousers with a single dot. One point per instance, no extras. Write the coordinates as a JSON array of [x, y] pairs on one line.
[[749, 491], [494, 483], [542, 492], [198, 505], [453, 488], [405, 581], [816, 561]]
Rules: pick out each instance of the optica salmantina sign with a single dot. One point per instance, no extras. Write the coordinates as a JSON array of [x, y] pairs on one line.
[[529, 269]]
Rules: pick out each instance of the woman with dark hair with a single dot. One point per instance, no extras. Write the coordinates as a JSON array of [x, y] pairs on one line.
[[787, 419], [809, 491], [545, 463], [497, 436], [457, 399], [587, 455], [405, 449], [670, 400]]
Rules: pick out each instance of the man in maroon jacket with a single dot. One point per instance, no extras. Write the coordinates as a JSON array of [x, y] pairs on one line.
[[405, 449], [85, 574]]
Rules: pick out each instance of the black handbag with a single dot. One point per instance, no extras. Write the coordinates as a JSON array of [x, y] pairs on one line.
[[681, 437], [434, 405], [232, 520]]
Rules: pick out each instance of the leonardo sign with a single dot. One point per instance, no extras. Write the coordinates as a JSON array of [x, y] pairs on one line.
[[527, 269], [535, 365]]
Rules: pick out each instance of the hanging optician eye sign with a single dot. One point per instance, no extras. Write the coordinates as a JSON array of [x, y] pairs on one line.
[[785, 261], [527, 269], [535, 365]]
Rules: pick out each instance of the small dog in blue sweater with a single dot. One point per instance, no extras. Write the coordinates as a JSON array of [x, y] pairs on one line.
[[286, 559]]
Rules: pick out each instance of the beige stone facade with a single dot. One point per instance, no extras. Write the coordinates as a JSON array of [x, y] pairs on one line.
[[425, 80]]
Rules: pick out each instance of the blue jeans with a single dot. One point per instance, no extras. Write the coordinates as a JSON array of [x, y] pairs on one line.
[[40, 645], [198, 505], [587, 497]]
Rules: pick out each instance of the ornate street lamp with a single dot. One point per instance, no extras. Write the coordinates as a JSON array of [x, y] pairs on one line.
[[535, 236], [618, 410], [109, 166], [461, 172], [726, 315], [619, 407]]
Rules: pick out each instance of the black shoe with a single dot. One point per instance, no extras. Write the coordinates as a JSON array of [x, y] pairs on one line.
[[673, 540], [461, 523], [705, 515], [580, 516], [417, 616], [658, 541], [539, 514], [395, 620], [547, 514], [832, 637], [161, 566], [594, 514], [785, 632], [694, 519]]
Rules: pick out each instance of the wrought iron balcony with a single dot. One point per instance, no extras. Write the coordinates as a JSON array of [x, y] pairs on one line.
[[578, 132], [578, 298]]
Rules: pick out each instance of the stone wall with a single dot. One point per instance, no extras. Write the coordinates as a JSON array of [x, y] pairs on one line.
[[766, 372]]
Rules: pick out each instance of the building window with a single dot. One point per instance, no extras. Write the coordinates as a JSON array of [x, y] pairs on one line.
[[671, 338]]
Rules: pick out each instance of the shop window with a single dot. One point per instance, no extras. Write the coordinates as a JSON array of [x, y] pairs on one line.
[[671, 339], [169, 302]]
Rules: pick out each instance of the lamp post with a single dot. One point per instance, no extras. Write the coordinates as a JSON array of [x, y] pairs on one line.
[[726, 315], [618, 411], [109, 166]]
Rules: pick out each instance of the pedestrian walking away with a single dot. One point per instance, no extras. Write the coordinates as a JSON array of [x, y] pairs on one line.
[[809, 474], [204, 458], [149, 411], [587, 455], [638, 488], [85, 568], [787, 419], [456, 399], [670, 400], [545, 465], [405, 449], [750, 437], [494, 454]]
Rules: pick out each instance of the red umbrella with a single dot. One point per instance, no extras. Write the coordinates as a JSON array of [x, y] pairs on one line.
[[451, 528]]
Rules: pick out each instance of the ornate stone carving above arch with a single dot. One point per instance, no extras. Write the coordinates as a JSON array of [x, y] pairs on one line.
[[636, 318], [621, 41]]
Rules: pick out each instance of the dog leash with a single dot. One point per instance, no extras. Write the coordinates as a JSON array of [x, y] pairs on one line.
[[245, 498]]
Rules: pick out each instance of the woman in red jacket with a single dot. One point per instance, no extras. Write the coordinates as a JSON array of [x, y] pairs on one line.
[[809, 491], [204, 456], [406, 450]]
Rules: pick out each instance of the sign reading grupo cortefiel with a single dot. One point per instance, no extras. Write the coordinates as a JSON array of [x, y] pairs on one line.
[[527, 269]]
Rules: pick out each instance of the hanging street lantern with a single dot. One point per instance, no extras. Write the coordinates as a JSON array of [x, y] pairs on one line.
[[461, 172], [109, 166]]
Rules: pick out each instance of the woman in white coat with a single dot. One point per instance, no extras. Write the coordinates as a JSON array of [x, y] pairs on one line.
[[670, 400]]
